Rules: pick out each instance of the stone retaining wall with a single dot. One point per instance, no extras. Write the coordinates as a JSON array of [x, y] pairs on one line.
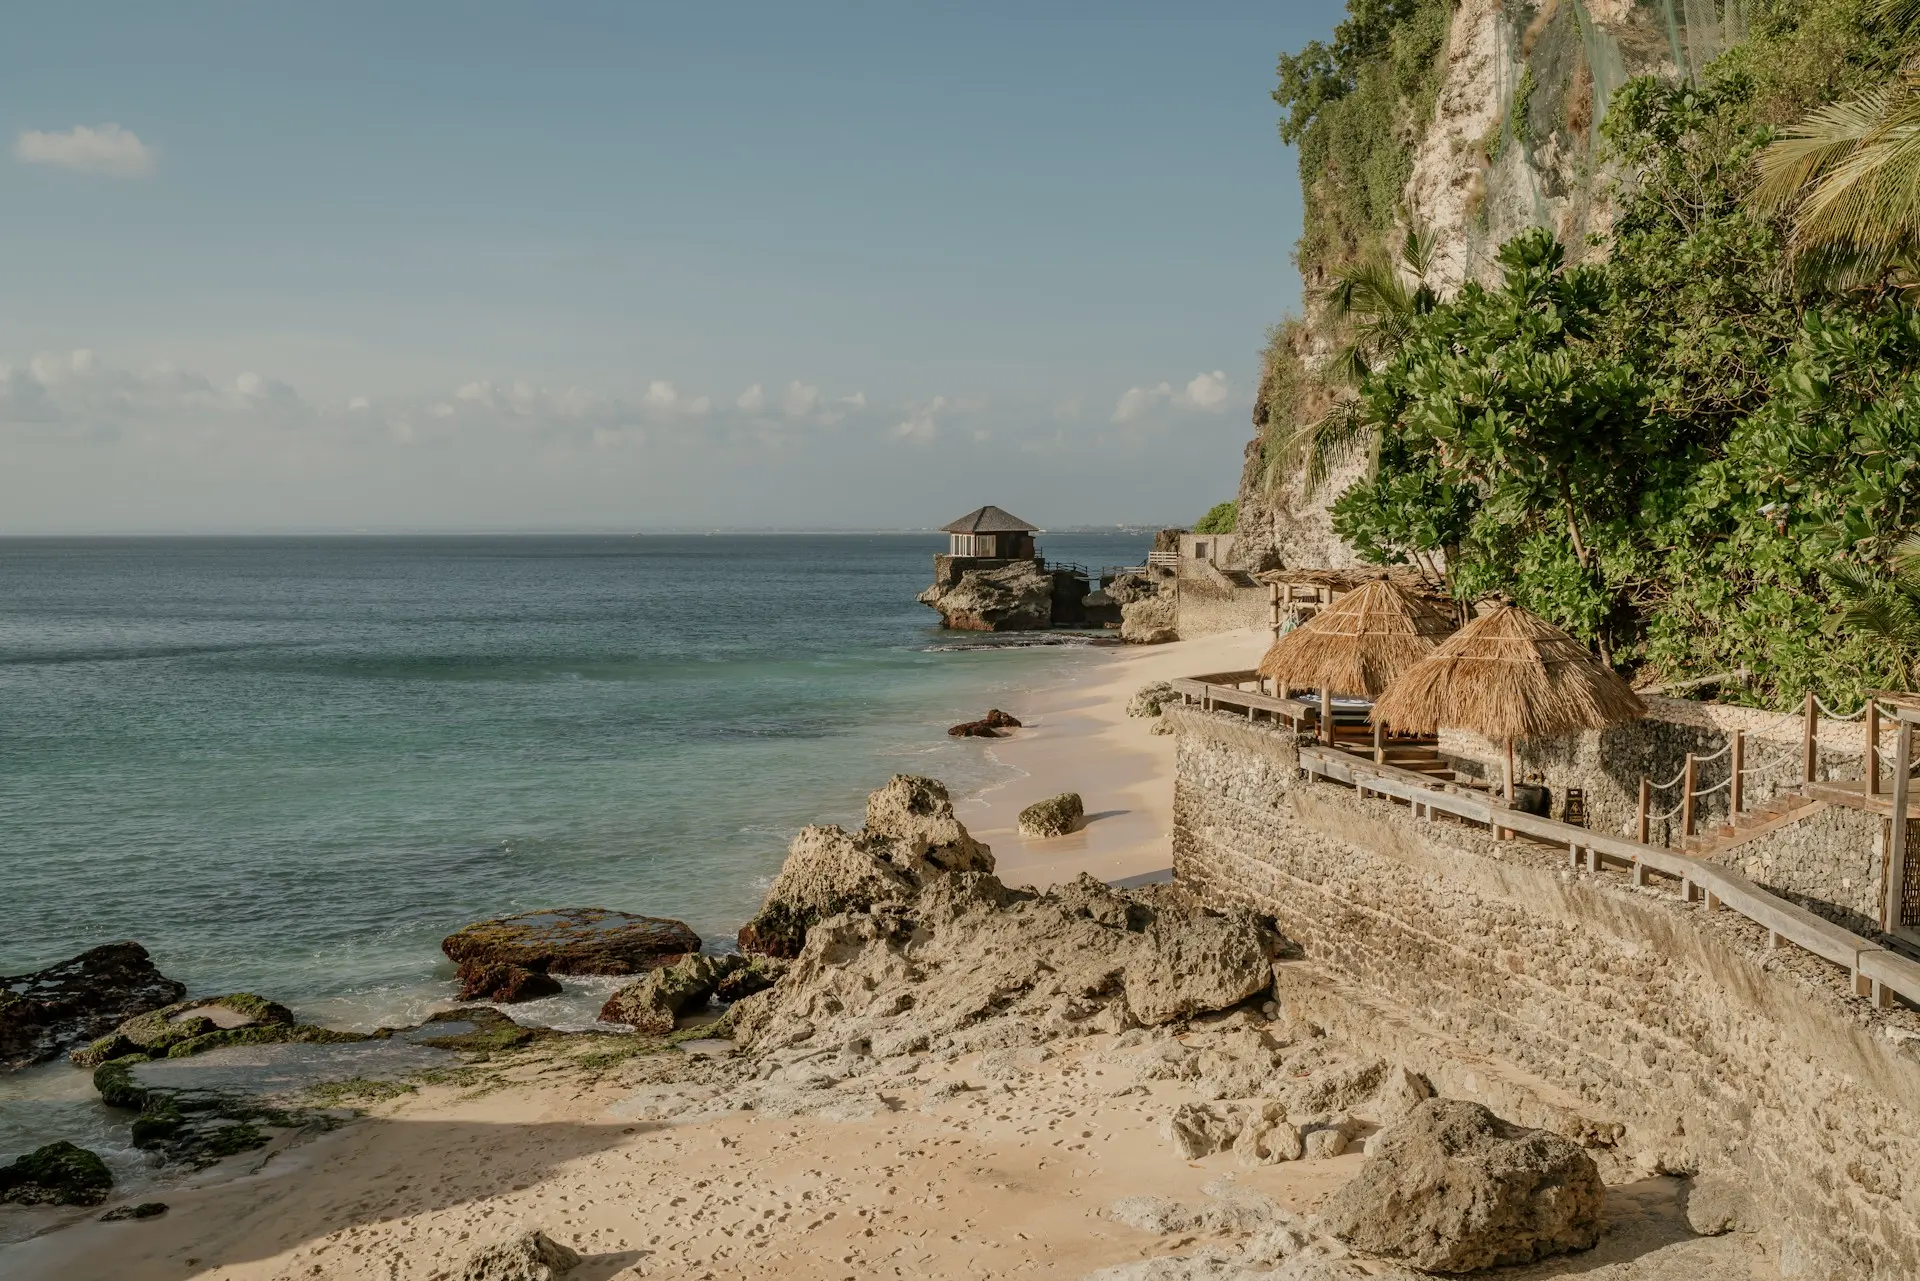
[[1669, 1039]]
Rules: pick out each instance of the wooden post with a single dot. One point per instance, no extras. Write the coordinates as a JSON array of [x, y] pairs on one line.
[[1379, 743], [1326, 713], [1873, 746], [1811, 738], [1646, 799], [1273, 608], [1510, 771], [1686, 800], [1736, 788], [1896, 860]]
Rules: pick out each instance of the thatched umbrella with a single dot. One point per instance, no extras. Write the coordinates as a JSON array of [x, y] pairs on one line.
[[1509, 675], [1358, 645]]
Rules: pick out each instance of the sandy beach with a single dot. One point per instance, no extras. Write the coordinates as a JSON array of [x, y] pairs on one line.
[[1077, 737]]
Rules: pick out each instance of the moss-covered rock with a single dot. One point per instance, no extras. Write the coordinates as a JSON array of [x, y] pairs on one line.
[[57, 1174], [189, 1027], [477, 1029], [581, 940]]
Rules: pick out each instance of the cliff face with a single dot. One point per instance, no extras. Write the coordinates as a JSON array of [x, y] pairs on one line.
[[1510, 142]]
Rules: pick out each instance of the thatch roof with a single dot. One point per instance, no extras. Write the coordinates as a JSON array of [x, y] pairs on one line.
[[989, 520], [1340, 580], [1360, 644], [1509, 674]]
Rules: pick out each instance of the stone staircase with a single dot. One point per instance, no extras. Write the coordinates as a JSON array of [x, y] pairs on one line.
[[1768, 816]]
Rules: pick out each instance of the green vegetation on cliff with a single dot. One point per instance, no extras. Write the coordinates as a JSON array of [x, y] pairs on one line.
[[1220, 519], [1675, 449]]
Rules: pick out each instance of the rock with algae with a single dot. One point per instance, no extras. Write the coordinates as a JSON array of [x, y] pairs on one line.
[[513, 957], [57, 1174], [79, 1000]]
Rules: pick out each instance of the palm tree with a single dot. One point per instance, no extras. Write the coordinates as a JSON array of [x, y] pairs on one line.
[[1378, 302], [1850, 175], [1884, 607]]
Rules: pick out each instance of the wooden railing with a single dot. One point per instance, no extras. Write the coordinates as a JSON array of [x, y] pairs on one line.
[[1876, 973]]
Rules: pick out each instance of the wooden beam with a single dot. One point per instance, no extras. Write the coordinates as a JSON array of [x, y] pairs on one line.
[[1739, 767], [1810, 739], [1686, 798], [1646, 800], [1896, 859], [1873, 746]]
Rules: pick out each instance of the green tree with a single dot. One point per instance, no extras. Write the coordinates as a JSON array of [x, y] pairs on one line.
[[1220, 519]]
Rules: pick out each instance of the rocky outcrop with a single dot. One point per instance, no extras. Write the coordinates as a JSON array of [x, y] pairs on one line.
[[498, 959], [911, 835], [653, 1004], [57, 1174], [142, 1210], [526, 1256], [46, 1013], [988, 726], [966, 963], [1275, 1244], [1055, 816], [1453, 1188], [1148, 608], [1013, 598]]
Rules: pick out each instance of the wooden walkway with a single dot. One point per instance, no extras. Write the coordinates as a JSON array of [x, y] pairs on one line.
[[1876, 973]]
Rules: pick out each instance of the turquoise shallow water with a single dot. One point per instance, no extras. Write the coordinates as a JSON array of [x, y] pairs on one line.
[[293, 765]]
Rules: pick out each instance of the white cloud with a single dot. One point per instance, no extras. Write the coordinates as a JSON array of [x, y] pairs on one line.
[[922, 424], [666, 398], [799, 399], [1207, 391], [104, 149], [1135, 401], [753, 400], [856, 401]]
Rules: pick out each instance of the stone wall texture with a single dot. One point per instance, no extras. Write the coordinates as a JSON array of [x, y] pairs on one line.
[[1667, 1038], [1204, 606]]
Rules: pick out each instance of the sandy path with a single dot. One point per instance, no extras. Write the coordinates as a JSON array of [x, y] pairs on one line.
[[1077, 737]]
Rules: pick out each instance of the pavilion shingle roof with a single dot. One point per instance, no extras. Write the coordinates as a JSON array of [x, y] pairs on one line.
[[989, 520]]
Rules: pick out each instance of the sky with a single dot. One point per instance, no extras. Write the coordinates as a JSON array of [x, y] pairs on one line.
[[483, 266]]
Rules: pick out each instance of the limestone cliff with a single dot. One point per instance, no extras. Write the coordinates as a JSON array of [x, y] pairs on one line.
[[1497, 133]]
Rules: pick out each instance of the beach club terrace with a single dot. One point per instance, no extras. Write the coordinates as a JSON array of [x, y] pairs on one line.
[[1799, 822]]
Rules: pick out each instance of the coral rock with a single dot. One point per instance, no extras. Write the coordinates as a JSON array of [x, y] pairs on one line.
[[910, 837], [494, 981], [1453, 1188], [530, 1256], [1055, 816], [1012, 598]]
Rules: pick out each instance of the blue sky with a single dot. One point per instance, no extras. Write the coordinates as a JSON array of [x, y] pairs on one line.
[[492, 266]]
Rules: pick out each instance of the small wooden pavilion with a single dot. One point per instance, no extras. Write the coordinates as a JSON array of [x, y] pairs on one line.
[[991, 533], [1509, 675]]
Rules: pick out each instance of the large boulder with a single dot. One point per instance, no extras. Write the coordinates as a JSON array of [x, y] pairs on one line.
[[1189, 962], [1055, 816], [1151, 620], [1453, 1188], [57, 1174], [46, 1013], [1012, 598], [497, 958], [911, 835]]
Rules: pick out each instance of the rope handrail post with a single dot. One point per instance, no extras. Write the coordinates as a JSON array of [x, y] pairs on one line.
[[1686, 801], [1895, 862], [1646, 804], [1873, 746], [1810, 738], [1739, 767]]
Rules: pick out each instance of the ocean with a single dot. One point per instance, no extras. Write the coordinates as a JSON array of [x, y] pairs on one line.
[[292, 765]]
